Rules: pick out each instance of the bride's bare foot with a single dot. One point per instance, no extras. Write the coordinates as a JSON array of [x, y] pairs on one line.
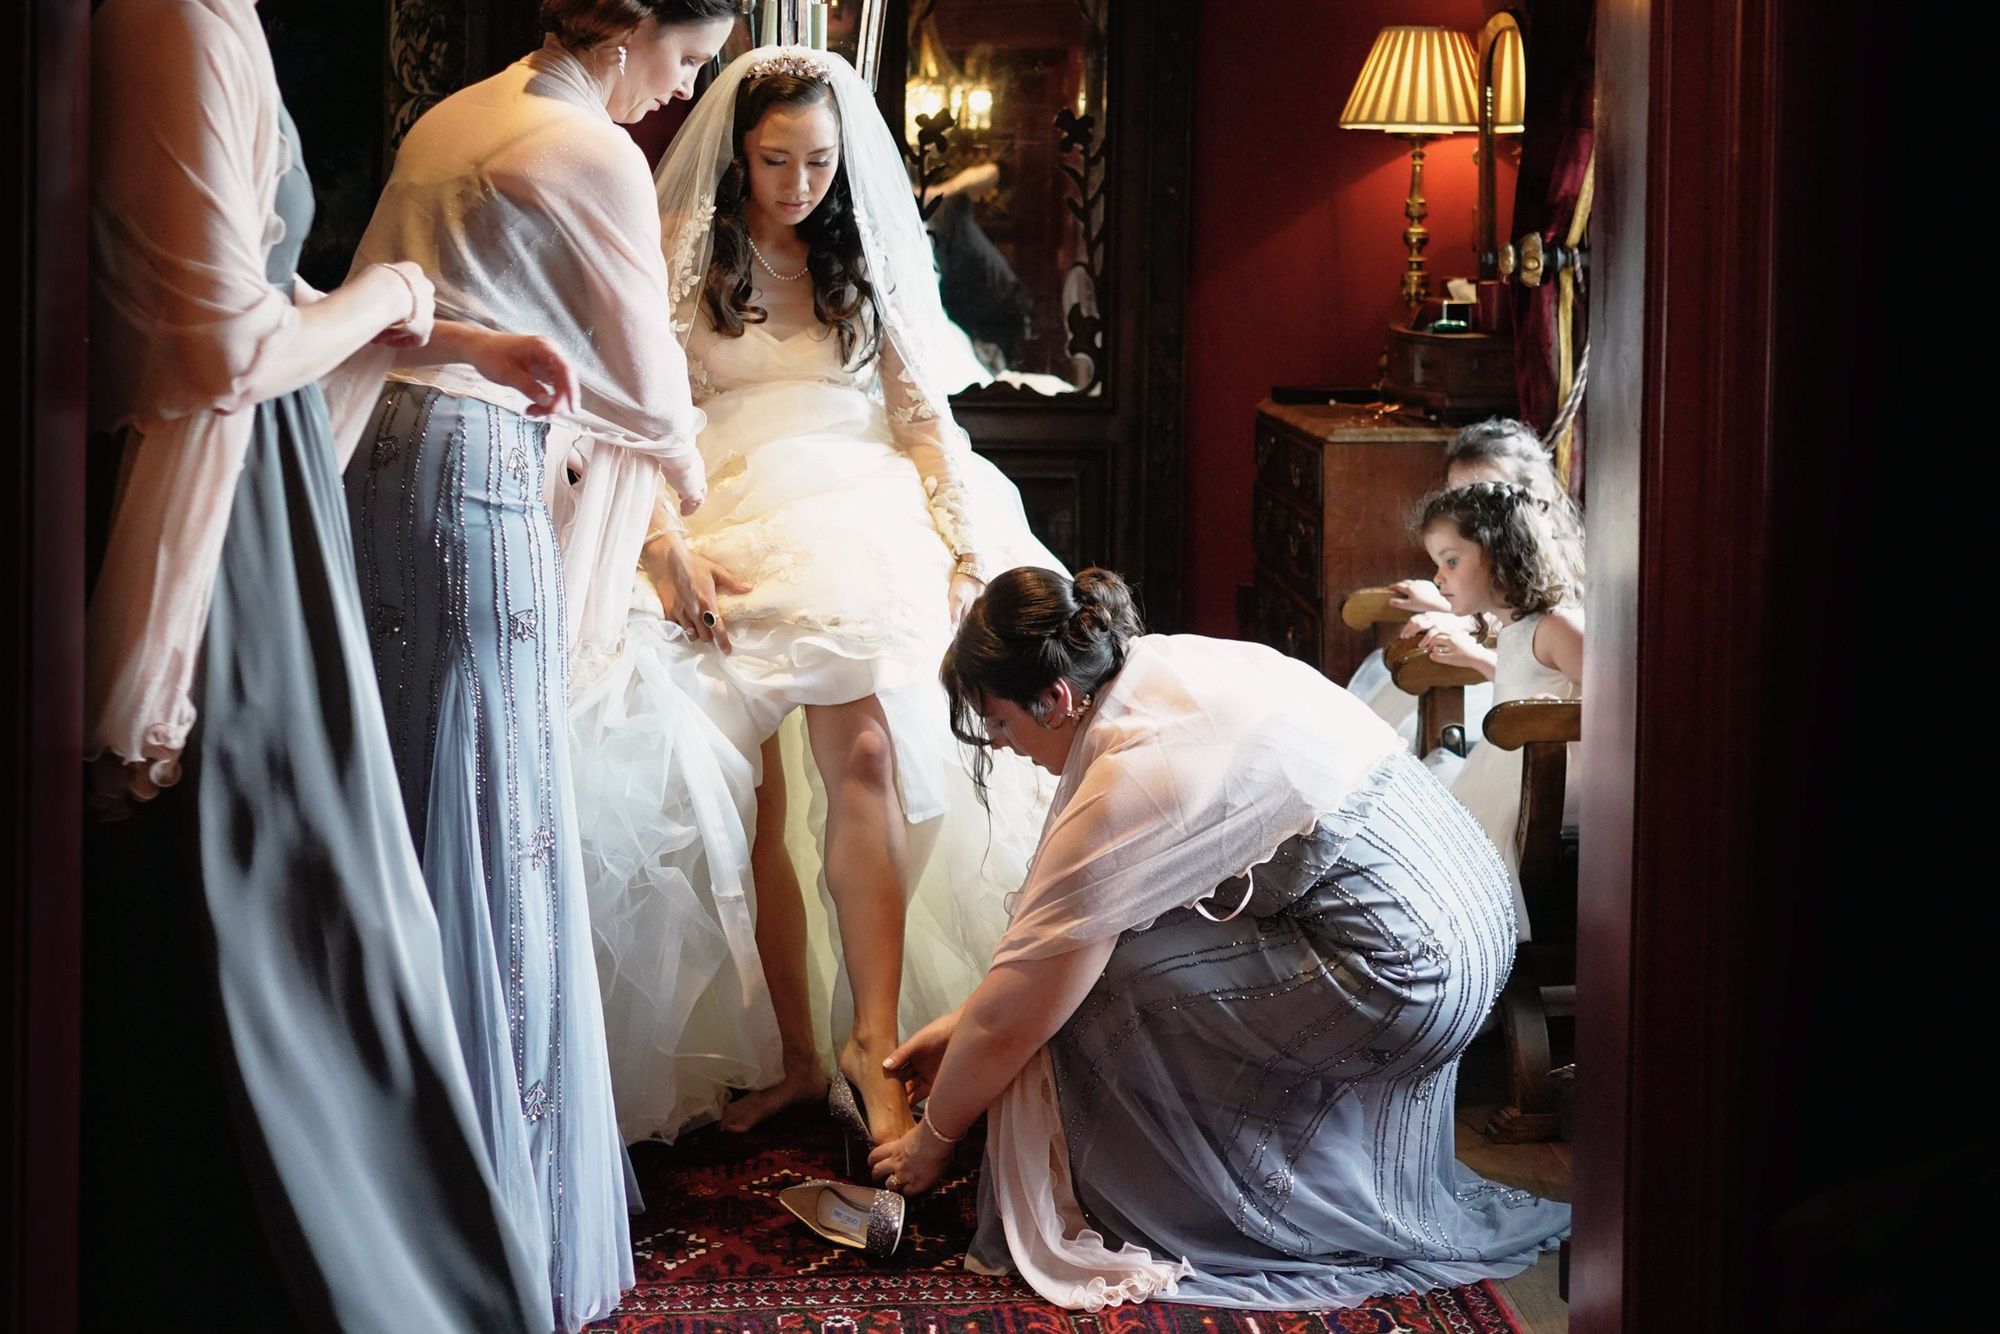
[[804, 1082], [883, 1101]]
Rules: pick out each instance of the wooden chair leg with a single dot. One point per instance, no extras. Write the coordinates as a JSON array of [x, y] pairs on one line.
[[1531, 1114]]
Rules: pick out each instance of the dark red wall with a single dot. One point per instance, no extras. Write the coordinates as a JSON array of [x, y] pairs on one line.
[[1297, 245]]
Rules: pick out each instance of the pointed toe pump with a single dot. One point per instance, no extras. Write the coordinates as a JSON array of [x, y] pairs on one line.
[[847, 1215]]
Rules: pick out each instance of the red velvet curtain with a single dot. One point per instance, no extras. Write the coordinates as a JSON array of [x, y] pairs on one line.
[[1555, 157]]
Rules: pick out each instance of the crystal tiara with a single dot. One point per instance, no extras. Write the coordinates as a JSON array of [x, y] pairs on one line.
[[804, 61]]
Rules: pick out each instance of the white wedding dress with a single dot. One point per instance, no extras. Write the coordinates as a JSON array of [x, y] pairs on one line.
[[815, 500]]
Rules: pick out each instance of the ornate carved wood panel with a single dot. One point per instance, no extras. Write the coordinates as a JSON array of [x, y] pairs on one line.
[[1118, 160]]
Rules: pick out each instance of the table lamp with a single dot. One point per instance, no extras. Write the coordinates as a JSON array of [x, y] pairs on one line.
[[1418, 84]]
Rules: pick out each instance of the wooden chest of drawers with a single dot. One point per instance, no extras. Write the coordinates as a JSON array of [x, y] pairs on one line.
[[1336, 488]]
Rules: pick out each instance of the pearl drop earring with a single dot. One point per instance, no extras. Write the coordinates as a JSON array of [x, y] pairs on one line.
[[621, 57]]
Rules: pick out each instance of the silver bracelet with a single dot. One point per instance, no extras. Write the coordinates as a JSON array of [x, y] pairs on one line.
[[411, 287], [942, 1138]]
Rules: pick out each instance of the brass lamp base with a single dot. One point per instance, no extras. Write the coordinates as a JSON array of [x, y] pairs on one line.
[[1416, 283]]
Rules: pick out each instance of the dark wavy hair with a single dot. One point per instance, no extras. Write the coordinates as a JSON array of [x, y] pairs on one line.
[[1029, 629], [582, 24], [843, 297], [1537, 560]]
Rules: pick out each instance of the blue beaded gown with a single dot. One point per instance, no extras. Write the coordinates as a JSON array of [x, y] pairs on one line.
[[460, 574], [1270, 1098], [279, 1131]]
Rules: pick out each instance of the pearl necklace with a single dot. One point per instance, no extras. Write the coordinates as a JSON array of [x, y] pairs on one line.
[[781, 277]]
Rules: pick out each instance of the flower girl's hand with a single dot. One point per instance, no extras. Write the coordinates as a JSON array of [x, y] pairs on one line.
[[1456, 648], [1417, 595], [1449, 646], [532, 365], [965, 590], [1428, 622], [688, 586]]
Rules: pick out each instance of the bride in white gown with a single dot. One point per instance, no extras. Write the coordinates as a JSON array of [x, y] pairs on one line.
[[774, 715]]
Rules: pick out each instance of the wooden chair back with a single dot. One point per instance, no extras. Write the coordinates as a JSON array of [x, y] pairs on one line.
[[1542, 983]]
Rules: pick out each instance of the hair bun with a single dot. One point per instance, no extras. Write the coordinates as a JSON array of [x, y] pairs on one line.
[[1105, 608]]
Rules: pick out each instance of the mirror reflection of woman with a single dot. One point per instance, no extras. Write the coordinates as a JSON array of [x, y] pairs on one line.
[[849, 524], [1229, 1007]]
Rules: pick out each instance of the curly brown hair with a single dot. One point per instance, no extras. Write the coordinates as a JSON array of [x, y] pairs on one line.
[[1536, 559], [1519, 454], [843, 297]]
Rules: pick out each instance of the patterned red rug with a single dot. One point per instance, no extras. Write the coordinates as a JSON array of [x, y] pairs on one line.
[[717, 1254]]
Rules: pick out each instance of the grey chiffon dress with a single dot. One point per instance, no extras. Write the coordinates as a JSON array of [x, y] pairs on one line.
[[1270, 1097], [279, 1131], [460, 573]]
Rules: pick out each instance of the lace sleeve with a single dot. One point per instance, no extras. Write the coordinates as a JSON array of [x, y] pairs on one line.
[[924, 430]]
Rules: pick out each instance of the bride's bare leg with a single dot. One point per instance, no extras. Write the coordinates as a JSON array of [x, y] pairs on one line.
[[867, 868], [781, 946]]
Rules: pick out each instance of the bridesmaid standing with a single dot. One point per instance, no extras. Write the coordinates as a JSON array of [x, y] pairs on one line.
[[281, 1134], [530, 208]]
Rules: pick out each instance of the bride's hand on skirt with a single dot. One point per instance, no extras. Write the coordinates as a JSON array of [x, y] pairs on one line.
[[688, 585], [965, 590]]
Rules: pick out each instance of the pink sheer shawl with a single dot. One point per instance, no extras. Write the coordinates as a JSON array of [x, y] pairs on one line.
[[533, 212], [186, 155]]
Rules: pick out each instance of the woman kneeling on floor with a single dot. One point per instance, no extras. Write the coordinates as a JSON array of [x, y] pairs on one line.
[[1219, 1041]]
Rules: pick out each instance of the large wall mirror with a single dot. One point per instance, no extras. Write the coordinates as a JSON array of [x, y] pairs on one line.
[[1004, 113]]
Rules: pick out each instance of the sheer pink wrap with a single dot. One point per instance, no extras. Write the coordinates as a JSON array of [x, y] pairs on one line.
[[533, 212], [186, 157]]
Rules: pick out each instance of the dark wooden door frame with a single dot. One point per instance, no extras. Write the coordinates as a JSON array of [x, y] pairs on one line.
[[41, 662], [1731, 415]]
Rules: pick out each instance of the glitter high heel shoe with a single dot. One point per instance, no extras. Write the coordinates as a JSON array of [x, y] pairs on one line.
[[870, 1221], [845, 1107], [843, 1100]]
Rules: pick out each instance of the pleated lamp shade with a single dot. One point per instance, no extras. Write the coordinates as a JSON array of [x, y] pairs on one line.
[[1510, 81], [1416, 81]]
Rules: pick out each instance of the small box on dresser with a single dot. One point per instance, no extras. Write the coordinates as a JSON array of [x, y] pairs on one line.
[[1336, 485]]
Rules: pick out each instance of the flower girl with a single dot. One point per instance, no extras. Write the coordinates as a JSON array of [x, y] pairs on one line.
[[1501, 552]]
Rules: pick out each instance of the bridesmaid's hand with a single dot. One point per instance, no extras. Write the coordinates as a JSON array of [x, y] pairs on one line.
[[912, 1164], [688, 585], [916, 1062], [407, 291], [530, 364], [965, 590]]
